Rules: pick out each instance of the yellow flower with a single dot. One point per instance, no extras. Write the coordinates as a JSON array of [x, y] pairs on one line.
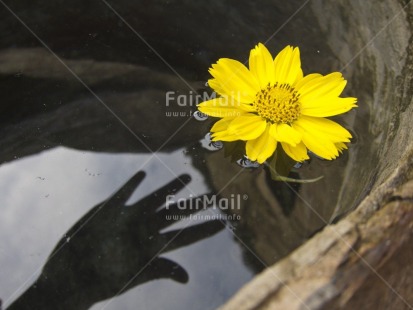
[[272, 102]]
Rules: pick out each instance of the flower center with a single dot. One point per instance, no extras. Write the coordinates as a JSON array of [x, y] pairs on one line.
[[278, 103]]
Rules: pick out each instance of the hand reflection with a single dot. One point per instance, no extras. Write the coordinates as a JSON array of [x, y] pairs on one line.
[[114, 248]]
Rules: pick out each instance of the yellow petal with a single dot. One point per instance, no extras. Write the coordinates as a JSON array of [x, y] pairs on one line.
[[321, 147], [285, 133], [224, 107], [261, 65], [261, 148], [235, 80], [307, 79], [321, 135], [288, 66], [318, 86], [216, 86], [298, 152], [219, 130], [341, 146], [224, 136], [222, 124], [323, 127], [247, 127], [326, 106]]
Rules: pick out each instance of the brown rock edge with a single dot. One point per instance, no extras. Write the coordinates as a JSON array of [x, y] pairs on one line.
[[365, 261]]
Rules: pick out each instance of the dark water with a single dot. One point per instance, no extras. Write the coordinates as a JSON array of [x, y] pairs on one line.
[[78, 230]]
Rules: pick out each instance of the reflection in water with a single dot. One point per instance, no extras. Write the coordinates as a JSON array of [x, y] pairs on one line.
[[114, 248], [43, 106], [210, 145], [97, 256], [199, 116], [245, 162]]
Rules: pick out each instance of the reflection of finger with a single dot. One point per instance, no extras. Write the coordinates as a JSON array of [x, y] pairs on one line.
[[157, 198], [192, 234], [123, 194], [165, 268], [176, 211]]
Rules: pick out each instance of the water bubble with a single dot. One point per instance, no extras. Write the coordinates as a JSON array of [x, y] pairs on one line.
[[210, 145], [245, 162], [298, 165], [199, 116]]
